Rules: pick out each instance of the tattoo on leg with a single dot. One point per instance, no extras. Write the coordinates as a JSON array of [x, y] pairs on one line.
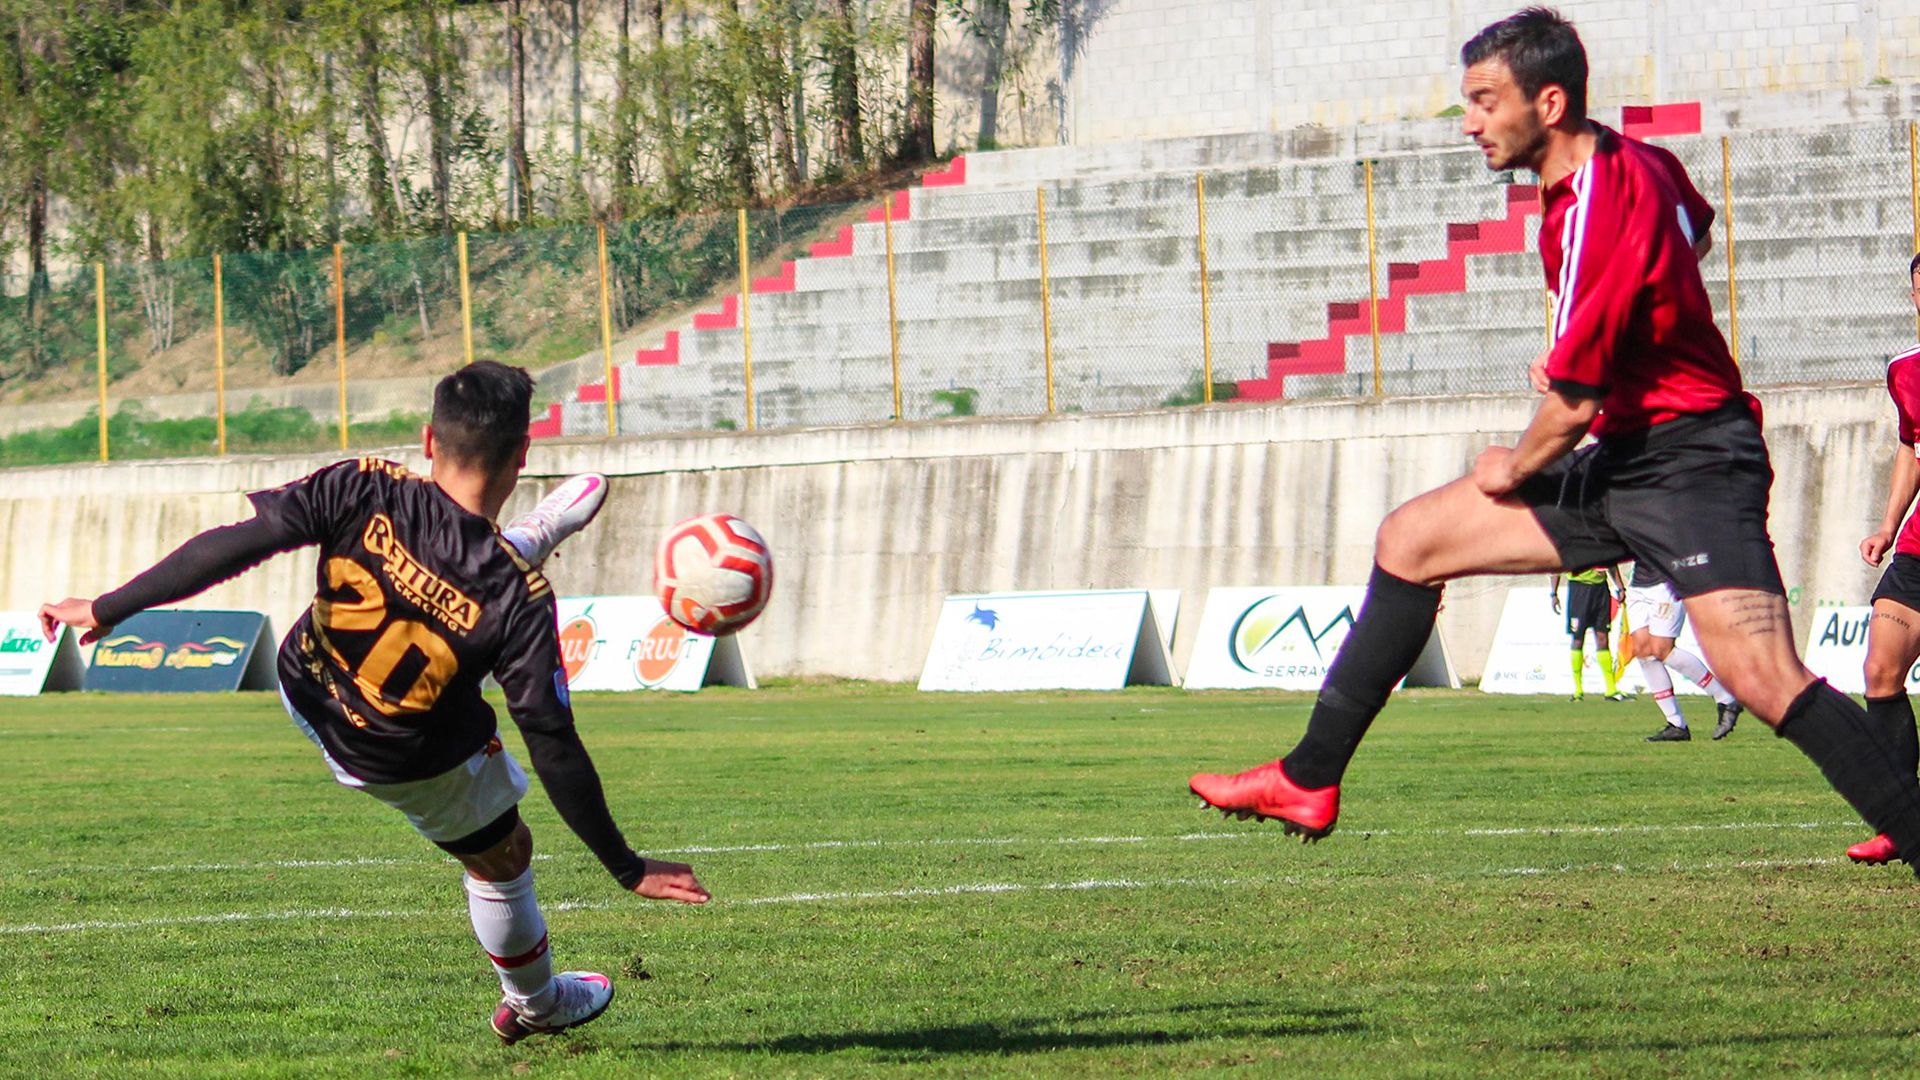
[[1756, 615], [1894, 619]]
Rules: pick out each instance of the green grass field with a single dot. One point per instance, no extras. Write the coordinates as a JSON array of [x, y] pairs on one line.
[[962, 885]]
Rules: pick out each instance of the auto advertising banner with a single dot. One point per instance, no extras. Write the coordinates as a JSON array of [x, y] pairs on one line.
[[29, 663], [173, 651], [1284, 637], [628, 643], [1081, 640]]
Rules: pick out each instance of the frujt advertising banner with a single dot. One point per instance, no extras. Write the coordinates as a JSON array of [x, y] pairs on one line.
[[628, 643], [1090, 640], [1284, 638], [1837, 649], [171, 651], [1531, 651], [29, 663]]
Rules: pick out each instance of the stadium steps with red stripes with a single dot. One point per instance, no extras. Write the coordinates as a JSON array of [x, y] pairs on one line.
[[1328, 355]]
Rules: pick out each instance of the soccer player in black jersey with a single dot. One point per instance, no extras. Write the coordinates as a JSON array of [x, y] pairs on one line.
[[420, 597]]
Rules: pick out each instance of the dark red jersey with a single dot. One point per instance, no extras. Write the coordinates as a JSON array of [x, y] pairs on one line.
[[1903, 385], [1631, 321], [417, 601]]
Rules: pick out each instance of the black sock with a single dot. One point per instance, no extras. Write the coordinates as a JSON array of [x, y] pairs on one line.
[[1858, 761], [1394, 622], [1893, 715]]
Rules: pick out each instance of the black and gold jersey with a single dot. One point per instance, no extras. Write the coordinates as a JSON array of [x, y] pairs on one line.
[[417, 601]]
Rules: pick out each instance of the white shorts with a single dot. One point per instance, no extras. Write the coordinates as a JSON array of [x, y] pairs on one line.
[[1656, 609], [456, 804]]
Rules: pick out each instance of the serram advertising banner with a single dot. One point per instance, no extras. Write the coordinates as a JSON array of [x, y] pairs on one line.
[[169, 651], [1284, 638], [1100, 640], [628, 643], [29, 663], [1837, 649]]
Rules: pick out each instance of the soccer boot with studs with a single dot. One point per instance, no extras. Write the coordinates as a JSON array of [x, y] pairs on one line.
[[1266, 792], [1874, 852], [1729, 716]]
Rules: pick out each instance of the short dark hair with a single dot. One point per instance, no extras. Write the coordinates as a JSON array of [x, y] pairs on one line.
[[481, 412], [1914, 266], [1541, 48]]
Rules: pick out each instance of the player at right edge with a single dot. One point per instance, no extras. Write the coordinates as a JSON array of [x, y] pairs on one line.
[[1893, 632]]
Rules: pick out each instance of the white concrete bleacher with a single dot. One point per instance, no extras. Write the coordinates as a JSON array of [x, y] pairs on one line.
[[1823, 226]]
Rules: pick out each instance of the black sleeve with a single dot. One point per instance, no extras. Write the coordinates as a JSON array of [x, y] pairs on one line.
[[573, 785], [535, 683], [194, 567]]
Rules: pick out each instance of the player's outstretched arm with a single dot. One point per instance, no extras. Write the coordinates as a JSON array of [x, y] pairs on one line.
[[573, 785], [1902, 486], [194, 567]]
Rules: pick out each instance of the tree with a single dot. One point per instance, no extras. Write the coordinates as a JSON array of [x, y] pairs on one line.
[[381, 175], [439, 83], [991, 22], [917, 139], [843, 84], [519, 171]]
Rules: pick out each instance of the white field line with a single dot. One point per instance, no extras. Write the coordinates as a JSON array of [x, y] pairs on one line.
[[917, 893], [980, 841]]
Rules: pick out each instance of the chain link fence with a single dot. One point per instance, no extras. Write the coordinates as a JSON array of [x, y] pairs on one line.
[[1402, 276]]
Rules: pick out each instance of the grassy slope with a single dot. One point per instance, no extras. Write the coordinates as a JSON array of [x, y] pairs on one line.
[[1662, 910]]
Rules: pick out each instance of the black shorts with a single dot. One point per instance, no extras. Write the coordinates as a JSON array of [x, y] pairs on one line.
[[1688, 496], [1589, 607], [1901, 582]]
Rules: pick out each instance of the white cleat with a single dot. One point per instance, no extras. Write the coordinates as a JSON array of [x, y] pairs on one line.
[[565, 511], [578, 997]]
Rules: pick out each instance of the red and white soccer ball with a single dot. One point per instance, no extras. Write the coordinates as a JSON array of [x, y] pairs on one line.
[[713, 573]]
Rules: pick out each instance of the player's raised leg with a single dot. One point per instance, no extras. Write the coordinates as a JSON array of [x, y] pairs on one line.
[[1748, 638], [566, 510], [1446, 533]]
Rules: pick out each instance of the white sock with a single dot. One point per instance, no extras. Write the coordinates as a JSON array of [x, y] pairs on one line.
[[507, 920], [1695, 668], [522, 543], [1661, 684]]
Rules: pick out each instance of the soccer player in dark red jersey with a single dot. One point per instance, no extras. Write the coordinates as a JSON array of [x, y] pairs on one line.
[[1679, 476], [420, 597], [1893, 633]]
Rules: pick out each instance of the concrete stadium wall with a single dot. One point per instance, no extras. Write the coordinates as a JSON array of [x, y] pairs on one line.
[[1138, 69], [872, 526]]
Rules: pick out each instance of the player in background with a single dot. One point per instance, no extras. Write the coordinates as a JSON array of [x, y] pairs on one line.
[[1893, 633], [1655, 618], [419, 597], [1590, 596], [1679, 475]]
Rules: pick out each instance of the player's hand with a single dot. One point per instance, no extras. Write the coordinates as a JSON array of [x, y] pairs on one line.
[[1556, 603], [73, 612], [1493, 471], [1874, 548], [1537, 373], [671, 881]]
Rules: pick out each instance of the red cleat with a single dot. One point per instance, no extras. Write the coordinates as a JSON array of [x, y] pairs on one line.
[[1265, 793], [1874, 852]]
